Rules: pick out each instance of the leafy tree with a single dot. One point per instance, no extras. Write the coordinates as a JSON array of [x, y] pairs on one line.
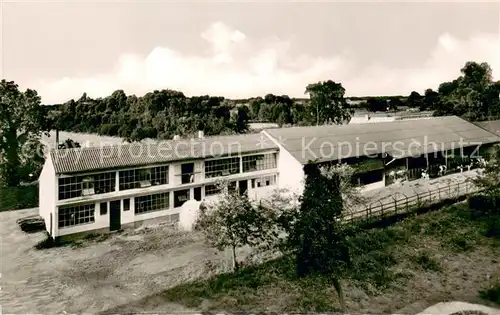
[[317, 238], [376, 104], [414, 100], [328, 99], [233, 221], [69, 144], [254, 106], [394, 103], [431, 100], [241, 119], [489, 180], [21, 125], [351, 197], [471, 95]]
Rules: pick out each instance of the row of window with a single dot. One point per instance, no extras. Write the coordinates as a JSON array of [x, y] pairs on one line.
[[264, 181], [230, 166], [77, 186], [84, 214]]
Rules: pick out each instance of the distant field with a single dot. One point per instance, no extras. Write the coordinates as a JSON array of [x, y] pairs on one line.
[[87, 140], [262, 125], [83, 138]]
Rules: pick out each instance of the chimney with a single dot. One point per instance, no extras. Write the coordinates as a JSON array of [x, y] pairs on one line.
[[200, 134], [177, 137]]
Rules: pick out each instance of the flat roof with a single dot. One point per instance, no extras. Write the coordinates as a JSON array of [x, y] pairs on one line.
[[401, 138], [88, 159]]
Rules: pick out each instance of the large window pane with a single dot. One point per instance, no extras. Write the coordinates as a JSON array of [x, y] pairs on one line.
[[144, 177], [222, 167], [77, 186], [150, 203], [76, 215], [259, 162]]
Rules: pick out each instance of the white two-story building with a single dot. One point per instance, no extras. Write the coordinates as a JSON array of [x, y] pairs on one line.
[[114, 187]]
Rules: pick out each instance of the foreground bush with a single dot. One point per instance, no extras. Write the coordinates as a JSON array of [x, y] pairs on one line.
[[492, 293], [482, 204]]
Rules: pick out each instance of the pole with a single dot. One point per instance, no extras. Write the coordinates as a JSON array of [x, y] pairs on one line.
[[317, 114]]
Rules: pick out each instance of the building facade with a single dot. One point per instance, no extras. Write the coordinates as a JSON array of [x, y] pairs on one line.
[[102, 189]]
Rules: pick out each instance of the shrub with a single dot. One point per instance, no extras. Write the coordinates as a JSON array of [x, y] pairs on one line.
[[461, 242], [484, 205], [427, 262], [481, 204], [493, 229], [21, 197], [491, 294]]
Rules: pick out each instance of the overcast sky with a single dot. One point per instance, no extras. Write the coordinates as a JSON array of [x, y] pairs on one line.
[[238, 50]]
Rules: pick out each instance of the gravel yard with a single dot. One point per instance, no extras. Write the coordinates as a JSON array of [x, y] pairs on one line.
[[97, 275]]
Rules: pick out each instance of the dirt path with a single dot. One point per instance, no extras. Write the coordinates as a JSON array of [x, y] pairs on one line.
[[98, 275]]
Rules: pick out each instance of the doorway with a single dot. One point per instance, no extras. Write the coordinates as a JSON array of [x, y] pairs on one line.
[[197, 193], [243, 186], [114, 215]]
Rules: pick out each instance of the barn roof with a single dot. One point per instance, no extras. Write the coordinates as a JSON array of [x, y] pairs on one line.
[[397, 138], [492, 126], [80, 160]]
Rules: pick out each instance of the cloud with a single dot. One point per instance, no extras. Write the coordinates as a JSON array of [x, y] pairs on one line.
[[236, 66]]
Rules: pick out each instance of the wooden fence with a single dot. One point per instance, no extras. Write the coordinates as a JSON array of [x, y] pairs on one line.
[[407, 203]]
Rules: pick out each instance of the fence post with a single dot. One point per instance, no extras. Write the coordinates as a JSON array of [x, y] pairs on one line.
[[395, 204]]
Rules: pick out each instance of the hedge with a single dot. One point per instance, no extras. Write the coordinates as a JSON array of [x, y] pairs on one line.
[[14, 198]]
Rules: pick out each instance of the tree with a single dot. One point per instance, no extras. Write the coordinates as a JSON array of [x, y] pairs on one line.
[[431, 100], [351, 197], [490, 178], [376, 104], [394, 103], [21, 125], [327, 98], [414, 100], [317, 238], [470, 95], [233, 221], [240, 119], [69, 144]]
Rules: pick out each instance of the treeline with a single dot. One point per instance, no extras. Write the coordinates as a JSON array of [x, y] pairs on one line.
[[473, 95], [163, 114], [158, 114]]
